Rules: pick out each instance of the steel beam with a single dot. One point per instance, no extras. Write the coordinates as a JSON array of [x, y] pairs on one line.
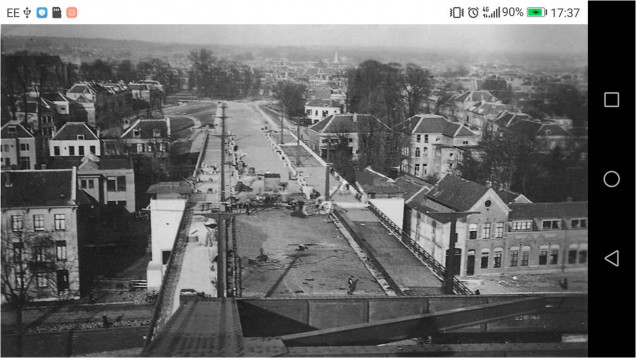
[[397, 329]]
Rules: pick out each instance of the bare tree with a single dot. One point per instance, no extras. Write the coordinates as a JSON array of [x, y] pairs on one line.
[[36, 266]]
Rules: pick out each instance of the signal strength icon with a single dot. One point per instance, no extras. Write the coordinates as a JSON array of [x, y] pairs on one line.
[[494, 14]]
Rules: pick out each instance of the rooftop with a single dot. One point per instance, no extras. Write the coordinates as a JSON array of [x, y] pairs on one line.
[[71, 130], [457, 193], [347, 123], [29, 188], [568, 209]]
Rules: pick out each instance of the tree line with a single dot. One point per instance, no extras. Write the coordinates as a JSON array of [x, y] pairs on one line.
[[127, 71], [220, 78]]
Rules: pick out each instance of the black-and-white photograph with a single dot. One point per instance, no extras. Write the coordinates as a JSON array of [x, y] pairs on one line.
[[294, 190]]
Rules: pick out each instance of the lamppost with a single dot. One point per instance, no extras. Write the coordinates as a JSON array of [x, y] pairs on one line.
[[449, 274]]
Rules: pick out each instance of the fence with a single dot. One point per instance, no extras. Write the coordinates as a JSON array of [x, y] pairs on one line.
[[418, 251]]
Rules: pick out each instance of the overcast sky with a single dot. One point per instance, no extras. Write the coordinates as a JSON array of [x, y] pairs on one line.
[[470, 38]]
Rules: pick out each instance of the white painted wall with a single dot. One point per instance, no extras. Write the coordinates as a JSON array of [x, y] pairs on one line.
[[391, 207], [165, 216]]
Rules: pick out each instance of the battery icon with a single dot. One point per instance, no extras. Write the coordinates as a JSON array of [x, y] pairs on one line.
[[536, 12]]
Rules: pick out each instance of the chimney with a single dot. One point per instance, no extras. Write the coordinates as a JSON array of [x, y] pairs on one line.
[[488, 184], [74, 184], [168, 126]]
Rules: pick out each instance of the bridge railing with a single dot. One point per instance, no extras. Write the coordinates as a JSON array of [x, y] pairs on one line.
[[437, 268]]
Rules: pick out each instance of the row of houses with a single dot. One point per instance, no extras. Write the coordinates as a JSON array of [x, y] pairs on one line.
[[502, 231], [434, 145]]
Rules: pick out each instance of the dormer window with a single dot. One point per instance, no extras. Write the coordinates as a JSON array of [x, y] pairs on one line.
[[550, 224], [156, 133], [136, 133], [12, 130], [80, 137]]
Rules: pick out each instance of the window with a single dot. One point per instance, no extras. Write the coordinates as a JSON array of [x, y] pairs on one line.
[[156, 133], [417, 152], [522, 225], [486, 231], [38, 222], [60, 222], [17, 252], [7, 161], [6, 147], [17, 224], [572, 256], [417, 170], [543, 256], [80, 137], [425, 138], [424, 170], [514, 258], [162, 146], [554, 256], [38, 254], [81, 150], [497, 258], [465, 142], [71, 150], [582, 256], [550, 224], [418, 138], [121, 183], [484, 258], [25, 163], [12, 130], [472, 231], [83, 184], [499, 230], [56, 150], [525, 255], [149, 148], [111, 184], [91, 184], [41, 280], [60, 250], [24, 146], [136, 133], [579, 223], [140, 148]]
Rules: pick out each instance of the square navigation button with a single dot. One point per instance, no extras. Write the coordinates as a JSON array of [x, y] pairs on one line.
[[611, 99]]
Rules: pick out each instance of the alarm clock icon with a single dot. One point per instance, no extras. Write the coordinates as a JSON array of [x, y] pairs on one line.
[[57, 12]]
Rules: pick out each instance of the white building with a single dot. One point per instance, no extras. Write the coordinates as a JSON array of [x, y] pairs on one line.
[[318, 109], [74, 139]]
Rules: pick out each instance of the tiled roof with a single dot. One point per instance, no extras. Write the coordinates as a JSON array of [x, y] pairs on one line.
[[506, 118], [344, 123], [411, 185], [322, 103], [103, 163], [20, 131], [487, 108], [569, 209], [457, 193], [506, 195], [36, 188], [147, 127], [170, 187], [377, 183], [432, 123], [79, 88], [533, 129], [71, 130], [418, 202]]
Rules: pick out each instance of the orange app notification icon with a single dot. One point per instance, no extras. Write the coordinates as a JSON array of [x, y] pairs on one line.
[[71, 12]]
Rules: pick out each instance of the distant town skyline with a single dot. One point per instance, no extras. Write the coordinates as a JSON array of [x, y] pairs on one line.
[[465, 38]]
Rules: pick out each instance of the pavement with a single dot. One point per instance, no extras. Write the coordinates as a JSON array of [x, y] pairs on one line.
[[400, 264], [321, 269]]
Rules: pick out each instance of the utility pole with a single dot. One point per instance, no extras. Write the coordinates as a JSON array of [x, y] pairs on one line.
[[282, 124], [298, 142], [449, 275], [327, 167], [222, 106]]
